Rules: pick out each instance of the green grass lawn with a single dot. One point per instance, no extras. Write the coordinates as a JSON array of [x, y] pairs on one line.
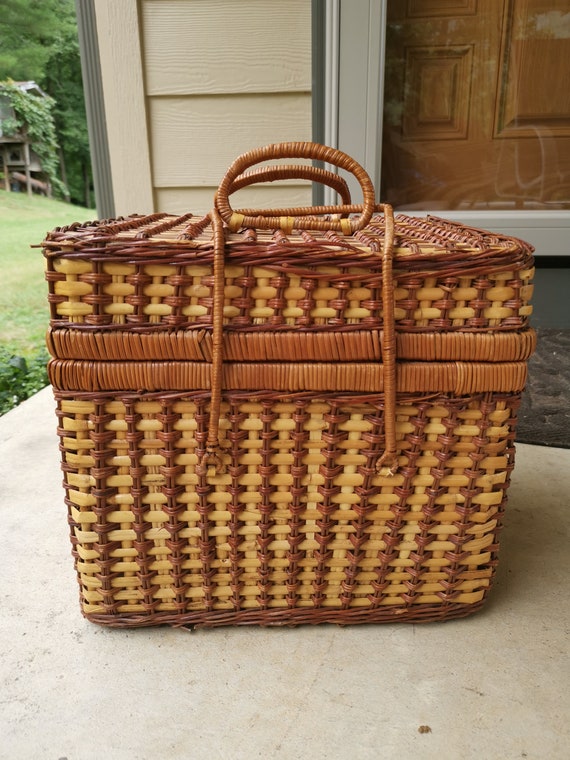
[[24, 312], [24, 221]]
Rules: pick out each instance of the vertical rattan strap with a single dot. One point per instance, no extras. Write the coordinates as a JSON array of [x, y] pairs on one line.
[[213, 454], [389, 457]]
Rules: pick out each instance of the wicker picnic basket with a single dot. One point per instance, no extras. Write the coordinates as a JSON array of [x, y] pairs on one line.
[[295, 416]]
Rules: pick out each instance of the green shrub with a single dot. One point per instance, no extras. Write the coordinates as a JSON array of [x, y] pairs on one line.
[[20, 378]]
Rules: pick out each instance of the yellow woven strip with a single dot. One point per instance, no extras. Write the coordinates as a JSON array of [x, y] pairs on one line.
[[346, 226], [236, 220], [286, 223]]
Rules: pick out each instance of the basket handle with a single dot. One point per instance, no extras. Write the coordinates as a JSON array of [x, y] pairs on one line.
[[304, 219], [288, 219], [281, 172]]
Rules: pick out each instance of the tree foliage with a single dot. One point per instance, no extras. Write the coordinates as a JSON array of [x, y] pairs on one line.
[[38, 41], [27, 29], [63, 81]]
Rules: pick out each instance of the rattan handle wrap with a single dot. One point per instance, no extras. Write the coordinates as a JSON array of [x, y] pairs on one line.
[[290, 218], [280, 172], [305, 219]]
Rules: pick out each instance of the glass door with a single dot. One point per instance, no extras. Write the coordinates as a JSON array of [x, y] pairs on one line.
[[469, 103], [477, 105]]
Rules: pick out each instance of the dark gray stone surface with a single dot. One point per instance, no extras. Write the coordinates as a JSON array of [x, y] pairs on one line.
[[544, 415]]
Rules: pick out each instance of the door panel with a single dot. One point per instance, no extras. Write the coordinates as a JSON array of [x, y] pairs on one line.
[[477, 104], [533, 83], [436, 104]]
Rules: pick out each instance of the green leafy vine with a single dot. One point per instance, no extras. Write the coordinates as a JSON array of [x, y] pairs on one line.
[[34, 117]]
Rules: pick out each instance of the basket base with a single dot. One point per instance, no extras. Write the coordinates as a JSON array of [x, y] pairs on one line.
[[292, 618]]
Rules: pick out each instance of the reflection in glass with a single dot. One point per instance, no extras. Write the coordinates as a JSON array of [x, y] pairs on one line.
[[477, 104]]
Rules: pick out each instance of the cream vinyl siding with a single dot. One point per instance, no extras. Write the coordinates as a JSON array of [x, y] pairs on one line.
[[191, 84]]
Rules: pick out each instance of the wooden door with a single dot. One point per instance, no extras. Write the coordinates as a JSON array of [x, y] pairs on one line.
[[477, 104]]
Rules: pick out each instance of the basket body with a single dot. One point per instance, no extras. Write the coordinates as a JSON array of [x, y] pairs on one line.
[[301, 527], [298, 520]]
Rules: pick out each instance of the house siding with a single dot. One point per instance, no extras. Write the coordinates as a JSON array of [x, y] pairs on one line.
[[191, 84]]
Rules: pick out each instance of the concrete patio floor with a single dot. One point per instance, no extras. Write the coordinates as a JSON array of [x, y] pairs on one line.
[[495, 685]]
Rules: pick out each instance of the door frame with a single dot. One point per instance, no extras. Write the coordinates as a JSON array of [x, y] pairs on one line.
[[354, 50]]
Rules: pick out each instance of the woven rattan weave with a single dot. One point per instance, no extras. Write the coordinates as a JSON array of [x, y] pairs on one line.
[[289, 416]]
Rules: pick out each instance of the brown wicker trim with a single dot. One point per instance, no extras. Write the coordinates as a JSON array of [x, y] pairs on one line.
[[430, 377], [358, 346]]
